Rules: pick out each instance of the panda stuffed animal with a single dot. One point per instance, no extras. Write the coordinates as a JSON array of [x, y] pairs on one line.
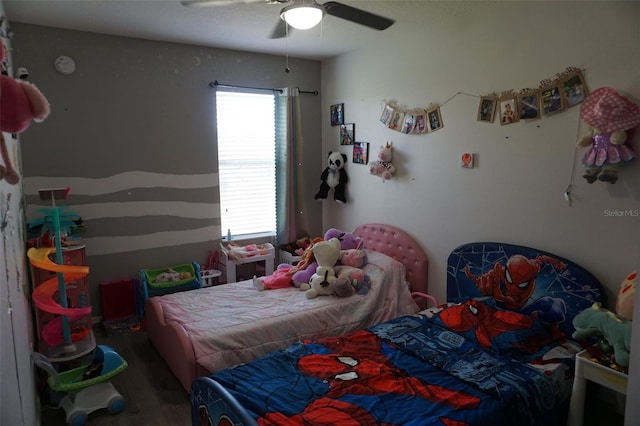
[[334, 176]]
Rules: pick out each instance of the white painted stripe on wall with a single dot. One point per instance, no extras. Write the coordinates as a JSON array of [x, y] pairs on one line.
[[120, 182], [99, 246], [135, 209]]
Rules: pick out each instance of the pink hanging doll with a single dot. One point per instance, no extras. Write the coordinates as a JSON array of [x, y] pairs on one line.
[[610, 117]]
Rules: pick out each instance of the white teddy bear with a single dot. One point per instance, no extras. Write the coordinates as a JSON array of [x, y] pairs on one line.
[[326, 254]]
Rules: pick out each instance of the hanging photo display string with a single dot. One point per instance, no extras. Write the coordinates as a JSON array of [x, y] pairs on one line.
[[415, 121], [567, 90]]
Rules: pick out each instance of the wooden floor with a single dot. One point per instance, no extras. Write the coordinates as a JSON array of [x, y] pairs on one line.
[[153, 396]]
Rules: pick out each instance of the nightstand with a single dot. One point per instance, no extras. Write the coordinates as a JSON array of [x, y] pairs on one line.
[[597, 373]]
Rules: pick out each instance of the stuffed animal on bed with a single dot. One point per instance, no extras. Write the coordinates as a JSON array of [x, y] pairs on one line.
[[307, 266], [597, 321], [334, 176], [20, 103], [280, 278], [341, 280], [353, 257], [610, 117], [349, 281], [326, 254], [286, 275], [347, 239]]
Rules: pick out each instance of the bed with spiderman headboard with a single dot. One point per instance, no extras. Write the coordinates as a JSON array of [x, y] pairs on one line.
[[498, 352], [201, 331]]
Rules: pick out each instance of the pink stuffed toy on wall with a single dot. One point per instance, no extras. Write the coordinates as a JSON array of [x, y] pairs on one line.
[[20, 103], [610, 117], [382, 166]]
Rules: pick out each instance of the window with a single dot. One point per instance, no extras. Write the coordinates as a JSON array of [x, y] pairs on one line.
[[246, 162]]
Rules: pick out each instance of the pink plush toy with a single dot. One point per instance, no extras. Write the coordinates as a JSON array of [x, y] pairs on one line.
[[20, 102], [353, 257], [610, 117], [281, 278], [382, 166]]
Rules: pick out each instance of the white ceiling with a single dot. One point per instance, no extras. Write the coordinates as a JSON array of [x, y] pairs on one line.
[[237, 26]]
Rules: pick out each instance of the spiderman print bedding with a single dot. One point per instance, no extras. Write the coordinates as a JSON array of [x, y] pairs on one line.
[[497, 354], [459, 365]]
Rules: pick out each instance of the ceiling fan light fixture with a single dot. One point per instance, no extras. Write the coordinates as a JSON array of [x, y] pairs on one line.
[[302, 16]]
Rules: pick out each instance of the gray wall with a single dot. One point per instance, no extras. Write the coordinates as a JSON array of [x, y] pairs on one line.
[[132, 133]]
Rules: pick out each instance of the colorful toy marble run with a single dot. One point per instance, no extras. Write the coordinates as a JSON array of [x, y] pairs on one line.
[[59, 330], [53, 333]]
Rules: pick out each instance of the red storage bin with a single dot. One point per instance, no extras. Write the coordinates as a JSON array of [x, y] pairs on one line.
[[118, 299]]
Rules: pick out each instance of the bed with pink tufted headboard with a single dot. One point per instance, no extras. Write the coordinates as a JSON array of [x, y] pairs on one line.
[[201, 331], [399, 245]]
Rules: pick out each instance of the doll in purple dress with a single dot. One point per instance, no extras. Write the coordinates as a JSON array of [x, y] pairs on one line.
[[610, 117]]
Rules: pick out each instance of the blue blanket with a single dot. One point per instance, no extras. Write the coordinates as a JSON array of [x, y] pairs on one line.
[[448, 369]]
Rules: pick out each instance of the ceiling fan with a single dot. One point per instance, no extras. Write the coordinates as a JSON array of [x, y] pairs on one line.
[[305, 14]]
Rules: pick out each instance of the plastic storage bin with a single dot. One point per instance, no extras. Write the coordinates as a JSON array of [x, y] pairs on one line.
[[286, 257], [150, 288]]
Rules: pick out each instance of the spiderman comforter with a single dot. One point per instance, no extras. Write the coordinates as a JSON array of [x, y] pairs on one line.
[[463, 365]]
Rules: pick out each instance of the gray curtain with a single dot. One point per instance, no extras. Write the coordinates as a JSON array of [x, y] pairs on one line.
[[291, 221]]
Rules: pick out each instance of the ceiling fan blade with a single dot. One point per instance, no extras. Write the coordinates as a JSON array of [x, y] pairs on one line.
[[358, 16], [209, 3], [280, 30]]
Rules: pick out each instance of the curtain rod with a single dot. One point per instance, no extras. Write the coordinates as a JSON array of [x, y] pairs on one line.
[[215, 83]]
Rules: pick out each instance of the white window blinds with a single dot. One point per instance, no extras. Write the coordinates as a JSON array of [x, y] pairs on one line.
[[246, 162]]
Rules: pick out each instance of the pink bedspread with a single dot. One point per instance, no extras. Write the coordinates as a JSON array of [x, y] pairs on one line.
[[234, 323]]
